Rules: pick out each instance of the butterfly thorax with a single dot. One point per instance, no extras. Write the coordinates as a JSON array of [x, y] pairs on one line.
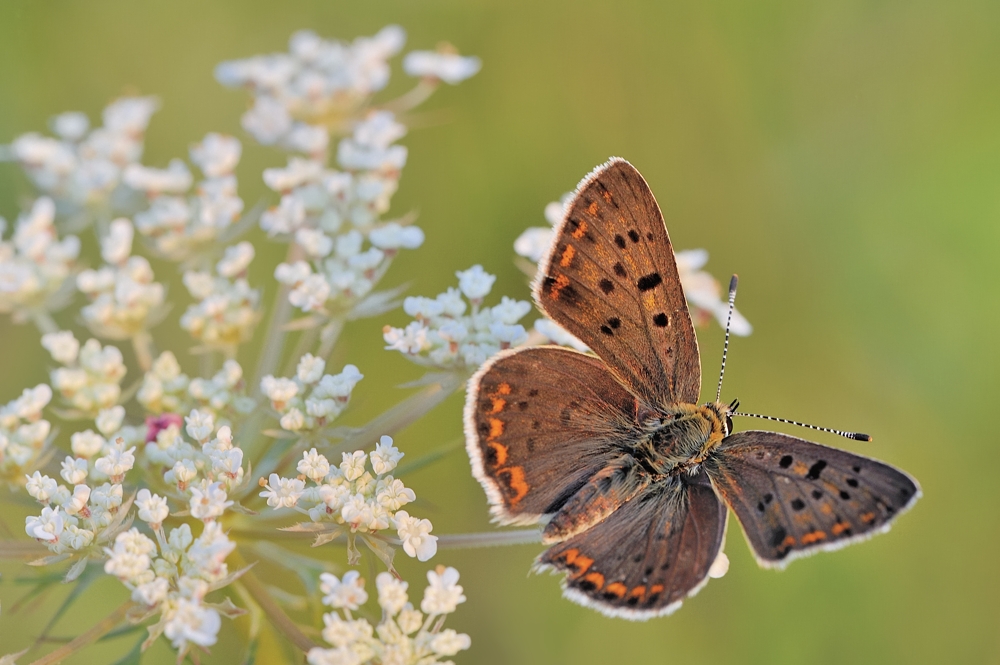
[[680, 439]]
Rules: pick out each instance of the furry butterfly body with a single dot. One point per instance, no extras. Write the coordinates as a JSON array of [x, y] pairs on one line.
[[631, 477]]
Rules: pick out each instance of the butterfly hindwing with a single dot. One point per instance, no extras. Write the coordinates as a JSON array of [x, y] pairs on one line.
[[794, 497], [539, 423], [610, 279], [644, 559]]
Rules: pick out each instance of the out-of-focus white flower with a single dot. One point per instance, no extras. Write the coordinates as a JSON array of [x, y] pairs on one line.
[[704, 295], [82, 170], [192, 622], [443, 593], [175, 179], [91, 383], [347, 593], [448, 67], [35, 266], [227, 309], [217, 155]]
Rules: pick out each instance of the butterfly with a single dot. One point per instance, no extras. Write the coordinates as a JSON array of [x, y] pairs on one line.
[[632, 479]]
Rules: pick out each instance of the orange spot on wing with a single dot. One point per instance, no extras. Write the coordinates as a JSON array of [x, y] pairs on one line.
[[826, 509], [501, 452], [607, 196], [562, 281], [496, 428], [813, 537], [502, 389], [498, 404], [868, 517], [592, 208], [595, 578], [789, 541], [617, 588], [638, 592], [580, 230], [800, 468], [580, 563], [840, 527], [656, 588], [567, 256], [515, 481]]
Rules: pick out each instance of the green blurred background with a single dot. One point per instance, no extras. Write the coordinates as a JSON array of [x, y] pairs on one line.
[[843, 158]]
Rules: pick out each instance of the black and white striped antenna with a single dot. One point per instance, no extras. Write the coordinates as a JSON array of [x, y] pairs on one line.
[[729, 321]]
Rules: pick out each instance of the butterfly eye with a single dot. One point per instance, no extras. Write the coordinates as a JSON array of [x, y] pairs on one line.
[[729, 425]]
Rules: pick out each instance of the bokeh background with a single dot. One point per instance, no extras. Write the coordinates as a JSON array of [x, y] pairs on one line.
[[843, 158]]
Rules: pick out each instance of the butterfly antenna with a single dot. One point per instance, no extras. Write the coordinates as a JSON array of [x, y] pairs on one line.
[[857, 436], [729, 321]]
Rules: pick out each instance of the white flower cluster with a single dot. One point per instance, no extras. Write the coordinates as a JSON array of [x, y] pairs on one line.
[[444, 336], [124, 298], [23, 432], [334, 216], [703, 292], [206, 471], [90, 377], [180, 224], [318, 85], [172, 575], [404, 635], [81, 513], [35, 264], [351, 496], [167, 390], [83, 169], [311, 399], [227, 309]]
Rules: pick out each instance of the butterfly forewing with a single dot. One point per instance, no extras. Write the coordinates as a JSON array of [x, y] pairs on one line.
[[793, 497], [610, 279], [649, 555], [540, 422]]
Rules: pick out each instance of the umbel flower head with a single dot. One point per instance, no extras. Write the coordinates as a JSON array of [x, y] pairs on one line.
[[351, 500], [35, 265], [81, 168], [404, 635], [454, 330]]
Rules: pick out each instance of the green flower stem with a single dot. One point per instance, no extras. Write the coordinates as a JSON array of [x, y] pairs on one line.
[[406, 412], [460, 541], [274, 340], [270, 607], [142, 343], [101, 629], [44, 321]]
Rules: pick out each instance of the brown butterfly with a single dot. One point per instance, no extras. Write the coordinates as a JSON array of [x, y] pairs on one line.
[[629, 475]]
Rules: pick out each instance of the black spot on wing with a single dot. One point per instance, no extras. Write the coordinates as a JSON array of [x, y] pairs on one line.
[[815, 470], [785, 461], [650, 281], [615, 322], [620, 270], [633, 235], [606, 285], [620, 241], [798, 504], [661, 320]]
